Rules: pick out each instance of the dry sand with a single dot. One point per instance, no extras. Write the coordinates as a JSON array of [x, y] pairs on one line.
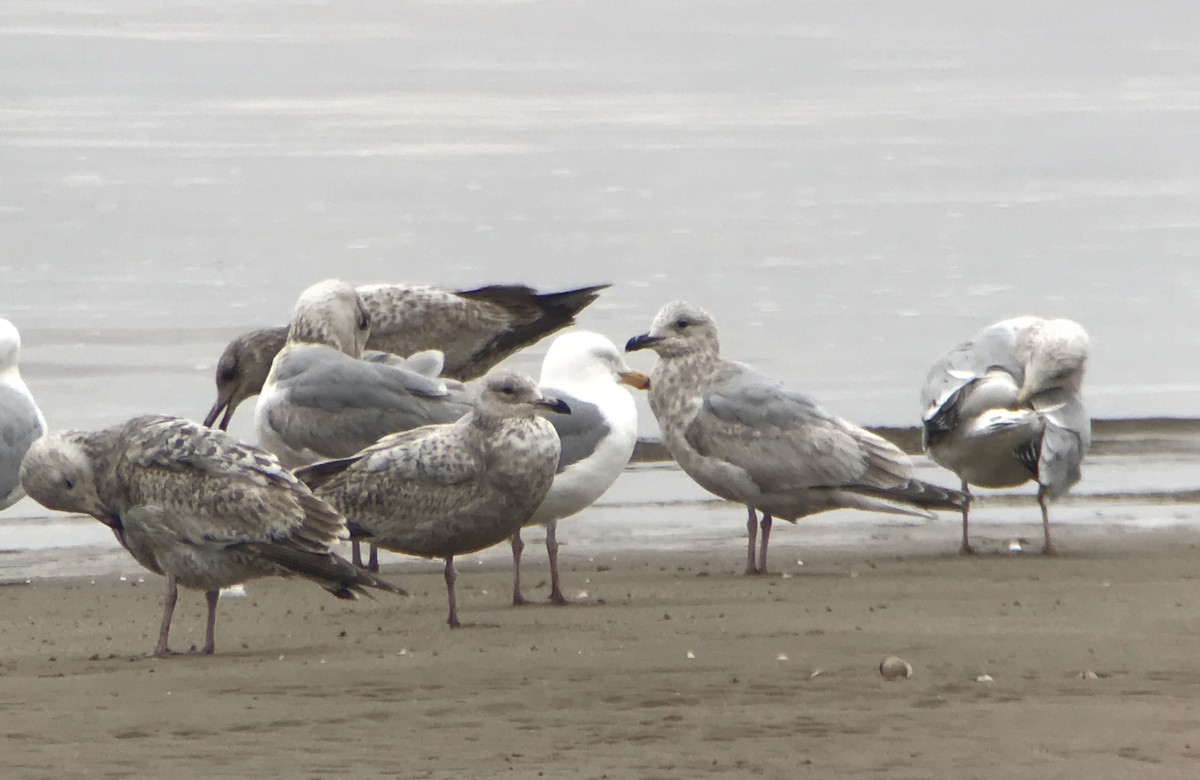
[[675, 666]]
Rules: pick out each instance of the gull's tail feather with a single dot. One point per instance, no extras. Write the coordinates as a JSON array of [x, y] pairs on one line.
[[332, 572]]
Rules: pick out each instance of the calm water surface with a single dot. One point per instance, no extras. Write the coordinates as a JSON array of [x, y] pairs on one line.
[[851, 188]]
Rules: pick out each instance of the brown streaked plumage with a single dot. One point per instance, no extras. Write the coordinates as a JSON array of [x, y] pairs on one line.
[[447, 490], [195, 505]]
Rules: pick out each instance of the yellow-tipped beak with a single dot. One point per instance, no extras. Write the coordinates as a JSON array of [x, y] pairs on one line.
[[635, 379]]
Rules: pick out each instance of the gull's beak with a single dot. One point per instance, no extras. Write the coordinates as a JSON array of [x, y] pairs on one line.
[[635, 379], [553, 404], [641, 342], [222, 404]]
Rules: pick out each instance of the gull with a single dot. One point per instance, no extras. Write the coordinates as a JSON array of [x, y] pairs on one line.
[[21, 421], [585, 370], [196, 506], [474, 329], [446, 490], [748, 438], [1005, 408], [321, 401]]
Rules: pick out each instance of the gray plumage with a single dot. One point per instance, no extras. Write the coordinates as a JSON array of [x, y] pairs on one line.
[[321, 401], [448, 490], [1006, 407], [747, 438], [473, 329], [195, 505], [21, 422]]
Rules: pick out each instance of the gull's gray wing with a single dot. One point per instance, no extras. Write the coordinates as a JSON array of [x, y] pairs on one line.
[[784, 440], [1065, 442], [994, 347], [206, 485], [336, 405], [579, 432], [20, 426]]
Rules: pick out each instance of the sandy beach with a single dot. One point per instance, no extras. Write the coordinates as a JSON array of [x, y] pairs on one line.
[[674, 666]]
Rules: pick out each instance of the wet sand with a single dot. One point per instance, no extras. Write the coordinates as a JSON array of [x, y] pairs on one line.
[[675, 666]]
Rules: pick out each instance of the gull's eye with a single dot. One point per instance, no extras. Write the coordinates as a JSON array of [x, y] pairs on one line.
[[508, 390], [69, 483], [681, 324]]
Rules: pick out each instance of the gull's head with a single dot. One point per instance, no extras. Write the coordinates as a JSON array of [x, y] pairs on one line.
[[10, 345], [242, 371], [509, 394], [679, 329], [57, 473], [581, 357], [1056, 361], [333, 314]]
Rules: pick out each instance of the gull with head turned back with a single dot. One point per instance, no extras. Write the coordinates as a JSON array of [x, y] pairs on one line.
[[748, 438], [196, 506], [21, 421], [447, 490], [586, 371], [473, 329], [1006, 407]]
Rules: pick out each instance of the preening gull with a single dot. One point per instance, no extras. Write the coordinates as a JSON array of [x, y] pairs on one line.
[[585, 370], [747, 438], [195, 505], [1005, 408], [21, 421], [474, 329], [320, 401], [447, 490]]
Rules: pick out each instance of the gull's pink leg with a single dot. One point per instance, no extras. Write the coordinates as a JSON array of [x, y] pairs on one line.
[[766, 535], [967, 549], [450, 578], [518, 547], [210, 630], [168, 611], [556, 594], [752, 531]]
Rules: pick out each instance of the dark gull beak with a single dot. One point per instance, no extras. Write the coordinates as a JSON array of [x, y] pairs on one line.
[[222, 404], [553, 404], [641, 342]]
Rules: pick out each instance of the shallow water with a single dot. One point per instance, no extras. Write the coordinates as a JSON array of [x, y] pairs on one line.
[[850, 188]]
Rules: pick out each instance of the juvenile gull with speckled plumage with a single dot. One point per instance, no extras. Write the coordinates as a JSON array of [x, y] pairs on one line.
[[195, 505], [21, 421], [747, 438], [1005, 408], [320, 401], [447, 490], [474, 329]]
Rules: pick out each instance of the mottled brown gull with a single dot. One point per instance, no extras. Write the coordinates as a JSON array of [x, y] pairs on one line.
[[1005, 408], [21, 421], [474, 329], [195, 505], [447, 490], [748, 438], [585, 370]]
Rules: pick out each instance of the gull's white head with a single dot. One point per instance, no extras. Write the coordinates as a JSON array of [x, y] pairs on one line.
[[58, 474], [10, 345], [679, 328], [582, 357], [333, 314], [1056, 359]]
